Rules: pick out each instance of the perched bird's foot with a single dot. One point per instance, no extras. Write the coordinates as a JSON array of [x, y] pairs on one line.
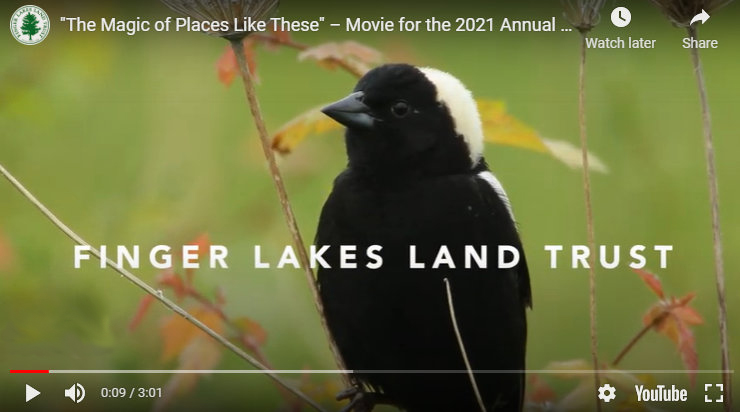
[[359, 399], [348, 393]]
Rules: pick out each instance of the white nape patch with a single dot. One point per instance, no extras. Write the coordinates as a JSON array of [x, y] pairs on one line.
[[499, 189], [461, 104]]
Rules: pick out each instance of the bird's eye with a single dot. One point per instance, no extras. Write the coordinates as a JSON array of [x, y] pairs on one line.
[[400, 109]]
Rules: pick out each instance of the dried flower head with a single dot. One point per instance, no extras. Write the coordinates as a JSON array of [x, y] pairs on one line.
[[583, 14], [225, 10], [680, 12]]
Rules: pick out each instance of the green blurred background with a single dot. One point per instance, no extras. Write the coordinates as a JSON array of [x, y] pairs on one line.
[[133, 140]]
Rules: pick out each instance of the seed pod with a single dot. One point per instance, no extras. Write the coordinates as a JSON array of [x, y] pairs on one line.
[[225, 10]]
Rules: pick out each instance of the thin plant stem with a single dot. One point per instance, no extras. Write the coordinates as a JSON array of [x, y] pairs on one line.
[[157, 294], [460, 343], [719, 269], [645, 329], [277, 179], [589, 219]]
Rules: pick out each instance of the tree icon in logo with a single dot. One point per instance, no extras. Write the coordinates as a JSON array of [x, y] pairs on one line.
[[30, 25]]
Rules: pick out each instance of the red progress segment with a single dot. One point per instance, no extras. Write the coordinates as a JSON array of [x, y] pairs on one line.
[[29, 371]]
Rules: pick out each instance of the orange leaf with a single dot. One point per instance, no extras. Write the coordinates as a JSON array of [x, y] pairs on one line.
[[203, 242], [141, 311], [226, 66], [668, 327], [654, 315], [351, 53], [501, 128], [281, 35], [177, 333], [250, 53], [201, 352], [685, 316], [168, 278], [569, 369], [688, 315], [673, 318], [220, 296], [652, 281], [278, 37], [684, 300], [570, 155], [323, 392], [341, 51], [251, 330], [363, 53], [687, 349], [189, 275], [293, 132], [538, 391]]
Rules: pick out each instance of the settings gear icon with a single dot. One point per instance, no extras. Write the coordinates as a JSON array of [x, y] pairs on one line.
[[607, 393]]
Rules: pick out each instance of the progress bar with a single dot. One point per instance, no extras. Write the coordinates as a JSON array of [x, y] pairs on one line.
[[341, 371]]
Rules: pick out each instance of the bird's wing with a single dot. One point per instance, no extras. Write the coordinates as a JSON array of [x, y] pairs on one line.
[[494, 195]]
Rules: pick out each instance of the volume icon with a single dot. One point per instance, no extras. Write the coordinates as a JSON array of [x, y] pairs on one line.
[[75, 392]]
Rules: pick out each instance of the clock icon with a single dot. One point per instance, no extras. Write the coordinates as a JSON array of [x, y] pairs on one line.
[[621, 16]]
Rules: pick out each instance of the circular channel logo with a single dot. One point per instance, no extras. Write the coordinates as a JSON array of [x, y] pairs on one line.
[[30, 25]]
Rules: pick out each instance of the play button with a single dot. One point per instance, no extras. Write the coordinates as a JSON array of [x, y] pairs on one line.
[[31, 392]]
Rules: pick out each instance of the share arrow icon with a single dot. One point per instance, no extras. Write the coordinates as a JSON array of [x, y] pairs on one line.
[[702, 17], [31, 392]]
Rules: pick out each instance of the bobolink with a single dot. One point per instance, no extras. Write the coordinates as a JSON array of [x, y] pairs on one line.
[[416, 176]]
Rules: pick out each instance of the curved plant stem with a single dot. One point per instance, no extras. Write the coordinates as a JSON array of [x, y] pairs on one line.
[[719, 269], [277, 179], [460, 343], [157, 294], [645, 329], [589, 218]]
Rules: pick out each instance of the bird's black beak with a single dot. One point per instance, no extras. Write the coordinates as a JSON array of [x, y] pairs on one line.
[[351, 112]]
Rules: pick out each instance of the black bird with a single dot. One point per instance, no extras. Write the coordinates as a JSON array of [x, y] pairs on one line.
[[416, 176]]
